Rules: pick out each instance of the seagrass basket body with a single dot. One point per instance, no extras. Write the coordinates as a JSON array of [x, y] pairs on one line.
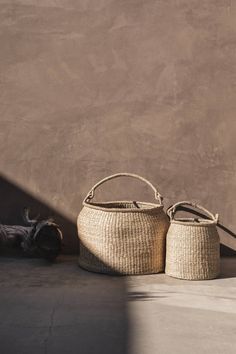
[[192, 246], [122, 237]]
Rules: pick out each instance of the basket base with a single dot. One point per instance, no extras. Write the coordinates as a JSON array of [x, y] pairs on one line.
[[214, 276], [94, 269]]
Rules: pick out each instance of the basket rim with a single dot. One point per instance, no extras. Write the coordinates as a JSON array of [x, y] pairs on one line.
[[102, 206], [192, 222]]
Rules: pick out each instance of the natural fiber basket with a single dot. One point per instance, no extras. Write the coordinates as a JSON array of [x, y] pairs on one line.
[[192, 246], [122, 237]]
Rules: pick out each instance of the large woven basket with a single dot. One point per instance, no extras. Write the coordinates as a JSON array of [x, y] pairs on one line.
[[122, 237], [192, 246]]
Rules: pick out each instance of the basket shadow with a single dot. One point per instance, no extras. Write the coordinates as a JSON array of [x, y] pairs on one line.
[[144, 296], [228, 269]]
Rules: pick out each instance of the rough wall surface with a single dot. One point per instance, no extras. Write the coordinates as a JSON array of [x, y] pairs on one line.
[[93, 87]]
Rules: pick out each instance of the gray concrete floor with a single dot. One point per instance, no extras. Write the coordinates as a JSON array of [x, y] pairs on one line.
[[60, 308]]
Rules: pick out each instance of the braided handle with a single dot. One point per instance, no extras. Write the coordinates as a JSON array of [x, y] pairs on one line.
[[90, 194], [172, 210]]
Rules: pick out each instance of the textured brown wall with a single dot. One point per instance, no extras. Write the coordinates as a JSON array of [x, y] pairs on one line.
[[93, 87]]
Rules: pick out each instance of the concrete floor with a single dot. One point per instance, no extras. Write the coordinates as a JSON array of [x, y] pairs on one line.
[[60, 308]]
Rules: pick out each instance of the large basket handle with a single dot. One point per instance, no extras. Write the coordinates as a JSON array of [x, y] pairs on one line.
[[90, 194], [173, 209]]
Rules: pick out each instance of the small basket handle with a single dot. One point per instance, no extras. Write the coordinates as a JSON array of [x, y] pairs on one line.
[[173, 209], [90, 194]]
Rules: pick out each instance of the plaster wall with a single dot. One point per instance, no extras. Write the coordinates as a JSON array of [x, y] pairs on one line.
[[90, 88]]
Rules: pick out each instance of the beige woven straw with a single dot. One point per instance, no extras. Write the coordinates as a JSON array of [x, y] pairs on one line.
[[192, 245], [122, 237]]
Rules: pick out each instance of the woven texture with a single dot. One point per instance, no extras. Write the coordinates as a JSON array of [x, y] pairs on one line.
[[122, 237], [192, 248]]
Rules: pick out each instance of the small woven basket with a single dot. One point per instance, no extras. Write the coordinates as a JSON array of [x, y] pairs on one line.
[[192, 246], [122, 237]]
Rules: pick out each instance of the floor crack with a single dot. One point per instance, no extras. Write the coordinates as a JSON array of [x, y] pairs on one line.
[[50, 327]]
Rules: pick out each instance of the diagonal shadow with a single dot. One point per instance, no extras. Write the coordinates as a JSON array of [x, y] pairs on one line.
[[12, 201], [61, 309], [57, 308]]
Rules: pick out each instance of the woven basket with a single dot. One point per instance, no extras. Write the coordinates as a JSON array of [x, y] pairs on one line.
[[192, 246], [122, 237]]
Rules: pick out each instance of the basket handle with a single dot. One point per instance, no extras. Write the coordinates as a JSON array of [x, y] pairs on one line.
[[90, 194], [173, 209]]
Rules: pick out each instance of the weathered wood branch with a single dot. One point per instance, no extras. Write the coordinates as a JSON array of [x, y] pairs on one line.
[[39, 238]]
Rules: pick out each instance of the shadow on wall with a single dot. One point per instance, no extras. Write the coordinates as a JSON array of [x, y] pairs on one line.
[[13, 199]]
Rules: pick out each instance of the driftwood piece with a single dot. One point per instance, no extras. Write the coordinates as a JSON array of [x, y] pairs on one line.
[[39, 238]]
